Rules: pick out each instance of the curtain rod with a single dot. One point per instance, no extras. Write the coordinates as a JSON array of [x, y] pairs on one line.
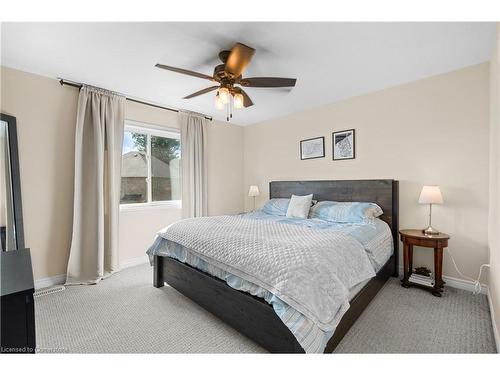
[[63, 81]]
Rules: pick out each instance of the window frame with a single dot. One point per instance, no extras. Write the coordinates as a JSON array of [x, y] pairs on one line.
[[150, 130]]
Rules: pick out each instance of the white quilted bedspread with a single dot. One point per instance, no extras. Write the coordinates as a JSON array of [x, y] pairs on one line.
[[309, 269]]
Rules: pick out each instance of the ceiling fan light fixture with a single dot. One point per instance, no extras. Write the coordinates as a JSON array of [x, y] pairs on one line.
[[227, 75], [238, 100], [224, 95], [218, 102]]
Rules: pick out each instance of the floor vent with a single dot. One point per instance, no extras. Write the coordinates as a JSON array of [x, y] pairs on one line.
[[49, 290]]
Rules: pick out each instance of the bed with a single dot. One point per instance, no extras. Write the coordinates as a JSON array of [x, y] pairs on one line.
[[255, 311]]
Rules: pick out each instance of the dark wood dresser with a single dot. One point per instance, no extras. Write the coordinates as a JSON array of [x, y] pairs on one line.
[[17, 303]]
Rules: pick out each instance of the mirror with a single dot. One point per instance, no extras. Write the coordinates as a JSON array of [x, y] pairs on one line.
[[11, 226]]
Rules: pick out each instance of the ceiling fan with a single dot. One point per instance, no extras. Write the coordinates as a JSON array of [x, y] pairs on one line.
[[229, 80]]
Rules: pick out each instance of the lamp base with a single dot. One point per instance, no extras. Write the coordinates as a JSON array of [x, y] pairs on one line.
[[429, 231]]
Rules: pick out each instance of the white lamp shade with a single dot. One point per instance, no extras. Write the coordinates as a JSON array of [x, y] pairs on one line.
[[218, 103], [224, 95], [253, 191], [430, 195], [238, 101]]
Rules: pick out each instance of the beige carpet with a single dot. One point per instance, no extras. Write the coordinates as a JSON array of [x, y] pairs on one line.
[[126, 314]]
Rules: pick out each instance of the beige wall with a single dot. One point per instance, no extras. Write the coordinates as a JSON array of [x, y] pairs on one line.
[[433, 131], [46, 114], [494, 214]]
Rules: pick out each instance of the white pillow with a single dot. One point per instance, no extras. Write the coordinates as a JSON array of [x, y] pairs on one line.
[[299, 206]]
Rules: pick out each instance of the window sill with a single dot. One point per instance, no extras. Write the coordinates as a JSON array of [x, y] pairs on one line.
[[150, 206]]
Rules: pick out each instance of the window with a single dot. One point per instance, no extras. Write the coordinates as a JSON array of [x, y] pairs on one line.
[[150, 166]]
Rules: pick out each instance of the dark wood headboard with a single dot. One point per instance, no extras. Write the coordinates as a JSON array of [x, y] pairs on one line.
[[385, 193]]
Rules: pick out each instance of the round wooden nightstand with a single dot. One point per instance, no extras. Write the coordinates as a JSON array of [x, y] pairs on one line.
[[415, 237]]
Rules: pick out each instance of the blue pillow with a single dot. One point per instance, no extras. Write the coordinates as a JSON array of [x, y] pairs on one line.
[[276, 206], [345, 212]]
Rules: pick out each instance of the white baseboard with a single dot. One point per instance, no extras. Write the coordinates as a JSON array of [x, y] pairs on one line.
[[50, 281], [458, 283], [463, 284], [131, 262], [493, 322], [61, 279]]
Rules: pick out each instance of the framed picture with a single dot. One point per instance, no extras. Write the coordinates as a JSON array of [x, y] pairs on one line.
[[312, 148], [343, 143]]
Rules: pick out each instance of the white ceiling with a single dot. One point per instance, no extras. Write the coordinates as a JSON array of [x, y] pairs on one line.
[[331, 61]]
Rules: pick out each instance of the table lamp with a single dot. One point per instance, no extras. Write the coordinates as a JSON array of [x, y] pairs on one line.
[[253, 192], [430, 195]]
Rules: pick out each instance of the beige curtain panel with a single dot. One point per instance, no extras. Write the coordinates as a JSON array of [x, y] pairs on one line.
[[98, 144], [193, 165]]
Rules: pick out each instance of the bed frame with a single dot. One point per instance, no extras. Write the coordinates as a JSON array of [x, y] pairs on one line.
[[254, 317]]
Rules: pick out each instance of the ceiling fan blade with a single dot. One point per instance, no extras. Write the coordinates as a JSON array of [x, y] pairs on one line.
[[185, 71], [268, 82], [238, 59], [247, 102], [201, 92]]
